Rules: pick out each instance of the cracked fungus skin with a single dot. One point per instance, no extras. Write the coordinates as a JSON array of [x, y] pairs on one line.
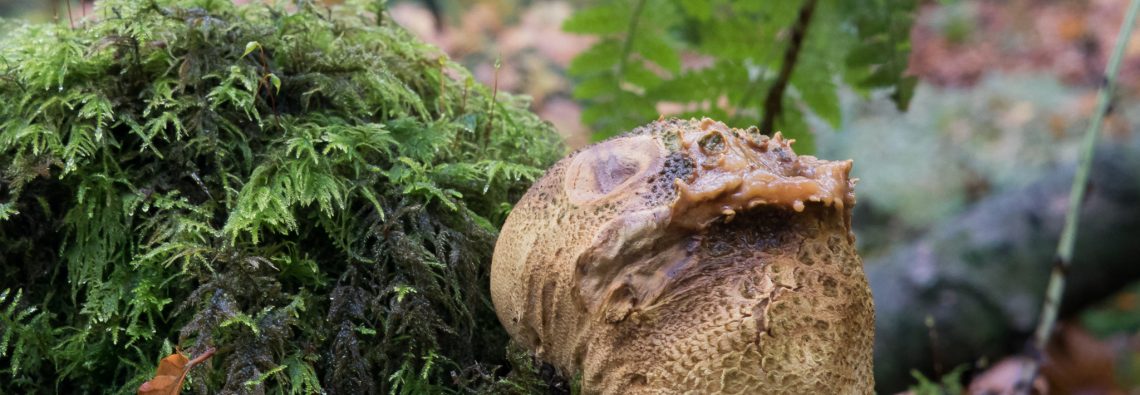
[[690, 257]]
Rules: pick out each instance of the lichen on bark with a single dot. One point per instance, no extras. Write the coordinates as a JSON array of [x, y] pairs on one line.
[[310, 190]]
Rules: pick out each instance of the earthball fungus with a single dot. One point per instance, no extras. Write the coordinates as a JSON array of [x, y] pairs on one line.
[[690, 257]]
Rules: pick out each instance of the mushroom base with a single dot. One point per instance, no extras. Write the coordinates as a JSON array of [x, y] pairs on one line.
[[776, 302]]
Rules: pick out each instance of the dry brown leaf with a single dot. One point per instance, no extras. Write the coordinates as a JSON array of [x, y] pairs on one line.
[[171, 373], [1075, 363], [1078, 363], [1000, 379]]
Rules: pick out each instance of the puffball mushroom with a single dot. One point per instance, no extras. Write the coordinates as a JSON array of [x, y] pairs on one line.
[[689, 257]]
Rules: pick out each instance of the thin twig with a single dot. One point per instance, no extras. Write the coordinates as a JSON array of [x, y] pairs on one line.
[[774, 102], [268, 87], [201, 357], [753, 87], [466, 87], [494, 101], [442, 86], [1063, 260], [750, 91], [932, 332], [70, 19], [627, 46]]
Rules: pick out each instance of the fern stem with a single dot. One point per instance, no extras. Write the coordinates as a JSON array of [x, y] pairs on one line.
[[627, 46], [70, 19], [1063, 261], [774, 102], [494, 100]]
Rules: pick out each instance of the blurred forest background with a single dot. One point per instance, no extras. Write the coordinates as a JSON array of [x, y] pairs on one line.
[[963, 178]]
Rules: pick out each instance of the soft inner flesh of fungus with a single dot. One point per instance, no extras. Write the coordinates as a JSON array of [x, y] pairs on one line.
[[690, 256]]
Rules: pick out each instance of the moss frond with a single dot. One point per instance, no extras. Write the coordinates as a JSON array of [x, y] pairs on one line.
[[310, 190]]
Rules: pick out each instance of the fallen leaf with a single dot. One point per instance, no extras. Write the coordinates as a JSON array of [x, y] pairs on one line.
[[1078, 363], [1075, 362], [1001, 378], [171, 373]]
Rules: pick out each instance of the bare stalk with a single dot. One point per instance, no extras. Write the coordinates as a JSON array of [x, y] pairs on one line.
[[494, 102], [1063, 260], [631, 32], [774, 102]]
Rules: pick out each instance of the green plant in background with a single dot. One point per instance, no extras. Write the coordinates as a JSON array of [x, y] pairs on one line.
[[949, 384], [761, 62], [311, 191]]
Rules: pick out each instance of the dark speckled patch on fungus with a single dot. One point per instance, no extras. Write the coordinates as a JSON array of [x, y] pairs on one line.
[[690, 257]]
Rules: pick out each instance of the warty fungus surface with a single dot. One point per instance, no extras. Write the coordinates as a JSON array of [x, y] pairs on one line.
[[689, 257]]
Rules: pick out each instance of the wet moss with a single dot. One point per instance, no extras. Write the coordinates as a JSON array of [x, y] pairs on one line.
[[310, 190]]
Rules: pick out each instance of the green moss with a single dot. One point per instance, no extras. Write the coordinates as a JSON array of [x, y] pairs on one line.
[[309, 190]]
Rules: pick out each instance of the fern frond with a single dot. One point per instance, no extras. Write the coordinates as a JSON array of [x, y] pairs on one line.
[[636, 66]]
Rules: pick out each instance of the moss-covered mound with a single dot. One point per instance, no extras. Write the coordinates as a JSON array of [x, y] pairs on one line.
[[311, 191]]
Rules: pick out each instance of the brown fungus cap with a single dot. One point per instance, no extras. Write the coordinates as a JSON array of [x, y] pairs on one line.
[[690, 257]]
